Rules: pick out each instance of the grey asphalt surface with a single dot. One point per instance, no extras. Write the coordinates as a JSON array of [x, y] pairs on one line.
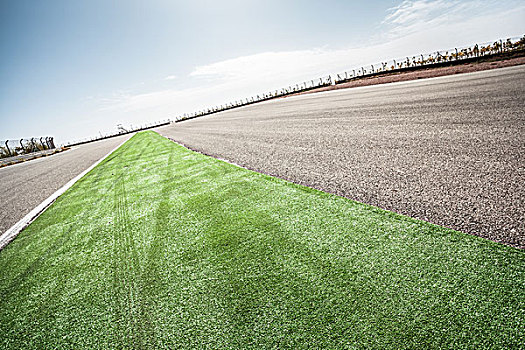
[[448, 150], [24, 186]]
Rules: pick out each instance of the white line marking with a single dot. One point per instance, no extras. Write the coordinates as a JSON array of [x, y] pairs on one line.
[[11, 233]]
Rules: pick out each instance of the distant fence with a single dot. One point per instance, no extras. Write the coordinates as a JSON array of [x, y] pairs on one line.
[[435, 59], [11, 148], [292, 89], [122, 131]]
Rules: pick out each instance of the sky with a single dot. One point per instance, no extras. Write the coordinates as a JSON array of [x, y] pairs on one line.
[[73, 69]]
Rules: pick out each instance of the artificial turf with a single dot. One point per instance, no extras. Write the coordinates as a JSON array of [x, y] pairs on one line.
[[162, 247]]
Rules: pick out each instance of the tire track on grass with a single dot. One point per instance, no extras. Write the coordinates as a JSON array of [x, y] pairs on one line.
[[133, 324], [151, 272]]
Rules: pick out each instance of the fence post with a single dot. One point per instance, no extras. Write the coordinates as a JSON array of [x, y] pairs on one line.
[[35, 148], [8, 150]]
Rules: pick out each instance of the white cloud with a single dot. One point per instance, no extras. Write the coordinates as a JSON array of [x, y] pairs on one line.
[[282, 67], [170, 77], [414, 36], [413, 27], [410, 12]]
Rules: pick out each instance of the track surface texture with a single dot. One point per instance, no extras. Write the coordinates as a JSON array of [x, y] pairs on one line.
[[24, 186], [448, 150]]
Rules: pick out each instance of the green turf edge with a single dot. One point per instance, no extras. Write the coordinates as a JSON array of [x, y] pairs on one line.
[[497, 262], [321, 193]]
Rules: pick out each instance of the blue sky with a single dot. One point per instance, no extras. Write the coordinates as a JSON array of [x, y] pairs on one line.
[[73, 68]]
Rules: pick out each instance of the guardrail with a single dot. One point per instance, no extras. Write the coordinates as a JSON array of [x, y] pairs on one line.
[[11, 148], [435, 59]]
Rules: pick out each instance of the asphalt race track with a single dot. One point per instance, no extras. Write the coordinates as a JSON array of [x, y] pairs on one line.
[[448, 150], [25, 185]]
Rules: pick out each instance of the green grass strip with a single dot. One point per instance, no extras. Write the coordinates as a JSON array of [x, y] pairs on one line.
[[162, 247]]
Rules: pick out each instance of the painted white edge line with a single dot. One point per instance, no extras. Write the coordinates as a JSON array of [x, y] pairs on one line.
[[11, 233]]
